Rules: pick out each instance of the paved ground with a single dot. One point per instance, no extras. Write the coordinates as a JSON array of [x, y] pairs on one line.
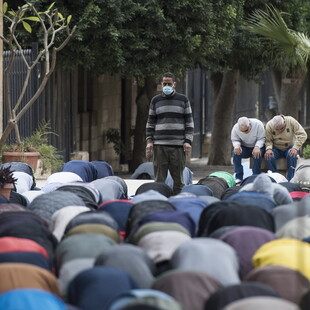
[[200, 168]]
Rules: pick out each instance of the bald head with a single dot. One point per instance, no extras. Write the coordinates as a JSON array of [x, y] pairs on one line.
[[278, 122], [243, 124]]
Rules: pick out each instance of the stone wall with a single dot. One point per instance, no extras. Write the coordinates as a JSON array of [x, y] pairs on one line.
[[106, 114], [103, 113]]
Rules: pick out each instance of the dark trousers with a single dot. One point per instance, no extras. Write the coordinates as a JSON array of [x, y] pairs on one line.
[[291, 162], [170, 158], [247, 153]]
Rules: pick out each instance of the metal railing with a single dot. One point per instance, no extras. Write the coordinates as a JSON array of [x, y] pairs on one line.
[[53, 105]]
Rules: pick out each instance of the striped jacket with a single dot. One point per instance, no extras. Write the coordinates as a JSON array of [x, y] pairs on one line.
[[170, 120]]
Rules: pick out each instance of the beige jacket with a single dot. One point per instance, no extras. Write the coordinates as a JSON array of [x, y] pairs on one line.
[[293, 135]]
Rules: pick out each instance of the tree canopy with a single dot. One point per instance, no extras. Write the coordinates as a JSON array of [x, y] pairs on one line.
[[143, 38]]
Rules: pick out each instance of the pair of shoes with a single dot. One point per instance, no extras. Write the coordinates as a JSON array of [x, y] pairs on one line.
[[238, 181]]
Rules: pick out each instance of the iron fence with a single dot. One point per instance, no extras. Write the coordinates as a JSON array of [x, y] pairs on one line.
[[54, 105]]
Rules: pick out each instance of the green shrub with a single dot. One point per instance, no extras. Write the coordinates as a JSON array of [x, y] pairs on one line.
[[306, 151], [113, 136]]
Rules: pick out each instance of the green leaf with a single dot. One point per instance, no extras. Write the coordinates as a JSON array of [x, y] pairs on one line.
[[50, 7], [60, 15], [5, 7], [27, 26], [69, 19], [292, 48], [12, 13], [33, 18]]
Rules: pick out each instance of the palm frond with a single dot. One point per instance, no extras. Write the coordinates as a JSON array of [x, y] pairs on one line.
[[271, 25], [293, 47], [304, 44]]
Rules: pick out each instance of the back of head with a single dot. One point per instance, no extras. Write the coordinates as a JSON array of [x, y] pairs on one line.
[[198, 190], [162, 188], [228, 294], [216, 184], [139, 210]]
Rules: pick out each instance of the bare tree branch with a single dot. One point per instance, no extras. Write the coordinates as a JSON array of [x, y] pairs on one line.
[[65, 42], [51, 25], [4, 39]]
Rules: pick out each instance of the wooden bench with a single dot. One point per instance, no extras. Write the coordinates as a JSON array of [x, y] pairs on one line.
[[281, 165]]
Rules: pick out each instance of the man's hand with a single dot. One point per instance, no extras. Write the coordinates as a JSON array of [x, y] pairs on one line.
[[237, 150], [268, 154], [187, 150], [256, 152], [149, 150], [293, 152]]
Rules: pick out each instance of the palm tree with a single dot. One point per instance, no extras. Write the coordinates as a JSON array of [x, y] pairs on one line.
[[288, 51]]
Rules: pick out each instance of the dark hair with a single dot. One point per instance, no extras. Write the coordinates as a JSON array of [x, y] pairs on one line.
[[6, 176], [169, 75]]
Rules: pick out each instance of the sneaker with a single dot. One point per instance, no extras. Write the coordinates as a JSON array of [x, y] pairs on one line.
[[238, 181]]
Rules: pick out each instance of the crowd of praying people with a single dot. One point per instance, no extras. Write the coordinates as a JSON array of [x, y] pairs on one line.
[[82, 242]]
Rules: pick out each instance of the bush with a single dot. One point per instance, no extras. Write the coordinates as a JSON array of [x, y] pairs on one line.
[[306, 151]]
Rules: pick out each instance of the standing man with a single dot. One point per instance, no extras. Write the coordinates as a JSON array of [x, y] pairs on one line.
[[248, 139], [169, 133], [284, 138]]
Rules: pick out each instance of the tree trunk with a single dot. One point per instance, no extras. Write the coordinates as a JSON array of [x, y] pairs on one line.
[[145, 94], [225, 88], [276, 76], [126, 132], [288, 89]]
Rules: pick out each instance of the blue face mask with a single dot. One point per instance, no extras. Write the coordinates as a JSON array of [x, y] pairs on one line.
[[167, 90]]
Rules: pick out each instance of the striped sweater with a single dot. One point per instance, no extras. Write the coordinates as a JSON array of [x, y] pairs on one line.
[[170, 120]]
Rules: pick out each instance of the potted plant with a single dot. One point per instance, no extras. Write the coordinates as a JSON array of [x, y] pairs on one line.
[[306, 152], [33, 148]]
